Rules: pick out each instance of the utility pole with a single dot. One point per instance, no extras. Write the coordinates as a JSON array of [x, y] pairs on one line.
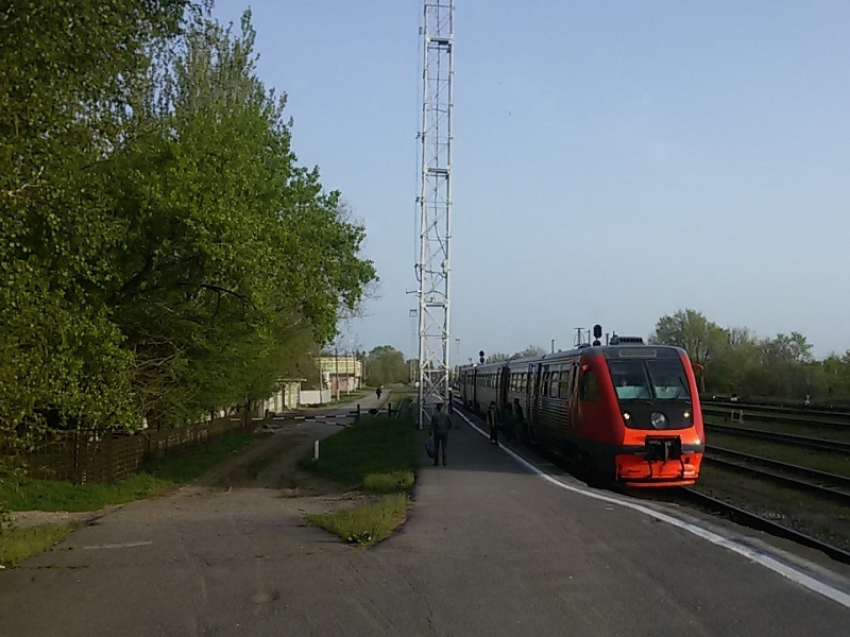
[[435, 204]]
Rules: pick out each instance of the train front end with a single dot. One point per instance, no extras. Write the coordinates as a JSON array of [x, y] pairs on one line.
[[656, 397]]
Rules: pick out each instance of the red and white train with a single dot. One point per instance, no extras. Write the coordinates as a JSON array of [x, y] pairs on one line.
[[625, 412]]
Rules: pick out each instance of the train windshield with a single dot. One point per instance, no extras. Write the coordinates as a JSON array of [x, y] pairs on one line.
[[644, 379]]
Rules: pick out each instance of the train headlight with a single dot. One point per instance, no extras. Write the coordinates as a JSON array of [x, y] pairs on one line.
[[687, 415], [658, 420], [627, 416]]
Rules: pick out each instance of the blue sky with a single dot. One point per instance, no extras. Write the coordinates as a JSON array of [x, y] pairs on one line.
[[614, 162]]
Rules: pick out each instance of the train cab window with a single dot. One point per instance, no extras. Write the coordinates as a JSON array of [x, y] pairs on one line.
[[629, 378], [668, 379], [589, 387]]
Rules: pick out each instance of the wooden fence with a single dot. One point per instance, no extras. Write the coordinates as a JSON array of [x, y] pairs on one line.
[[86, 456]]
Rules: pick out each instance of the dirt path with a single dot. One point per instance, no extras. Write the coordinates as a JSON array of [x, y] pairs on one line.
[[269, 466]]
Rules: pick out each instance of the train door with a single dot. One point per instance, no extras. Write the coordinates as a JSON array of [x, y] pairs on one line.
[[572, 396], [504, 385], [537, 402], [528, 383]]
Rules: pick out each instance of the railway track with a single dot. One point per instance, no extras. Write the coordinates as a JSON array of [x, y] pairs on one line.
[[800, 441], [828, 485], [752, 520], [837, 420]]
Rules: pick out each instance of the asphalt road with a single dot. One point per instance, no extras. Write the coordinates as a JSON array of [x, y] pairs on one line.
[[490, 548]]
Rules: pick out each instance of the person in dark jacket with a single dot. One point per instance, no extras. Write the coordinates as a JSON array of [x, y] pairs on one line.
[[440, 425], [493, 421]]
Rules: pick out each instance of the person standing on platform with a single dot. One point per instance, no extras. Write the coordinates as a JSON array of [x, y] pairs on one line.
[[440, 425]]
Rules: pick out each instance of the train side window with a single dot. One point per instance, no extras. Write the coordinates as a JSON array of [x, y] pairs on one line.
[[544, 390], [589, 388], [553, 384], [564, 385]]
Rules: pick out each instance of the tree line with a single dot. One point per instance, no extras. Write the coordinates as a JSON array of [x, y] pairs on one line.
[[162, 252], [735, 360]]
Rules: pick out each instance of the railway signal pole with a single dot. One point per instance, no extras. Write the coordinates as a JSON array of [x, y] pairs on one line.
[[435, 204]]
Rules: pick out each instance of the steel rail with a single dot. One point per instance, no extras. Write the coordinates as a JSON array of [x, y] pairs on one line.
[[803, 441], [843, 497], [759, 523], [754, 413], [808, 472], [837, 413]]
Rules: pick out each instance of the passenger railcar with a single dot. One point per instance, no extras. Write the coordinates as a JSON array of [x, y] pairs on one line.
[[624, 412]]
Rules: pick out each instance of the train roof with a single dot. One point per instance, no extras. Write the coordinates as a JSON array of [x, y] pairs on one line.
[[618, 351]]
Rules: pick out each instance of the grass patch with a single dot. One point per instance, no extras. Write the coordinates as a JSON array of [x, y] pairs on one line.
[[378, 455], [19, 544], [366, 524], [49, 495]]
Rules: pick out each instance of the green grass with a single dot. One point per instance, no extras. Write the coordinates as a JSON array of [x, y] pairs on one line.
[[366, 524], [48, 495], [378, 456], [19, 544]]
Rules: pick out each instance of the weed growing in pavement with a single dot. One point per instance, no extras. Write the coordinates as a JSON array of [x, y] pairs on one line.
[[20, 543], [365, 524]]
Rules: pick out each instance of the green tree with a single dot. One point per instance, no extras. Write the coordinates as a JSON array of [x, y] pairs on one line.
[[69, 71], [238, 254], [161, 252], [528, 352], [385, 365], [698, 336]]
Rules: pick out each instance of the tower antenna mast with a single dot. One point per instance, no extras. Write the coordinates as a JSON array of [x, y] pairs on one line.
[[435, 204]]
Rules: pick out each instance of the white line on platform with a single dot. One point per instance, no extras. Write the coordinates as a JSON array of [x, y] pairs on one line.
[[759, 557], [122, 545]]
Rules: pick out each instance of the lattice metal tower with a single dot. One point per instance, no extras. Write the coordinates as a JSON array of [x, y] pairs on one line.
[[435, 204]]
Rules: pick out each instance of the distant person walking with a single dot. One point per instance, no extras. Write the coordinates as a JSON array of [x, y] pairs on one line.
[[493, 421], [440, 425], [378, 392]]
